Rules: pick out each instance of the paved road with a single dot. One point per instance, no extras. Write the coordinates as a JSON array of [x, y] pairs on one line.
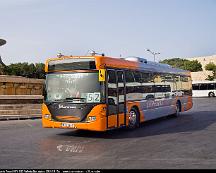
[[185, 142]]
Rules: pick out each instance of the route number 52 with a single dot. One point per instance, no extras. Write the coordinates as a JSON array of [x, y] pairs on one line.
[[93, 97]]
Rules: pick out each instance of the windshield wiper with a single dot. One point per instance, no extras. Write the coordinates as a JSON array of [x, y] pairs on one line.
[[59, 100], [75, 98], [68, 99], [53, 101]]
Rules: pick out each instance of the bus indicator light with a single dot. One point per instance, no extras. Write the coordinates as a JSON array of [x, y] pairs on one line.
[[47, 116], [92, 118]]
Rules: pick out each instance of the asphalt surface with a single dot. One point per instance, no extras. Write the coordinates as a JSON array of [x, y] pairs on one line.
[[188, 141]]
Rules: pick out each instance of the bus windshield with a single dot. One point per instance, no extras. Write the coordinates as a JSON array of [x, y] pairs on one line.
[[73, 87]]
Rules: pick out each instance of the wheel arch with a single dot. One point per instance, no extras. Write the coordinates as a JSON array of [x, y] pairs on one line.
[[211, 92], [137, 109]]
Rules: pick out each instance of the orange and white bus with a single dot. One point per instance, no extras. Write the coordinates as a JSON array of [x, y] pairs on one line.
[[99, 93]]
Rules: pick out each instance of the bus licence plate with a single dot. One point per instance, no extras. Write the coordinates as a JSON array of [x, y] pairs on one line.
[[70, 125]]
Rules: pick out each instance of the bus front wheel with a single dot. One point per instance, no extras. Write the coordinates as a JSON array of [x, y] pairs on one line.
[[211, 94], [133, 119]]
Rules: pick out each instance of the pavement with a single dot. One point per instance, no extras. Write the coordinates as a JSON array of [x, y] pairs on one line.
[[186, 142]]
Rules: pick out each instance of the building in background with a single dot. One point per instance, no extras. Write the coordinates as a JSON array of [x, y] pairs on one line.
[[204, 60]]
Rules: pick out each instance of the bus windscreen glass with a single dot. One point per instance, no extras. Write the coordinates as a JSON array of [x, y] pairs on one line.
[[74, 87]]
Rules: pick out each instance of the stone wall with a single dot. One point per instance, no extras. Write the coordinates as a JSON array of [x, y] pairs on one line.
[[204, 60], [200, 76], [16, 85], [20, 90]]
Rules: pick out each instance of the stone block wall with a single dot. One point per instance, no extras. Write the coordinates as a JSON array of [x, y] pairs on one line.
[[16, 85], [204, 60]]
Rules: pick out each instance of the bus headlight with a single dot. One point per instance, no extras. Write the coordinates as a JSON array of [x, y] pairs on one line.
[[47, 116], [92, 118]]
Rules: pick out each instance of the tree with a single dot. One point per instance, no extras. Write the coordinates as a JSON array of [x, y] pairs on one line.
[[40, 73], [25, 70], [174, 62], [211, 67], [185, 64], [193, 66]]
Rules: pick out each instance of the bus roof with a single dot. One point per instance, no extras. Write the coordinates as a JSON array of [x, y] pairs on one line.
[[124, 63]]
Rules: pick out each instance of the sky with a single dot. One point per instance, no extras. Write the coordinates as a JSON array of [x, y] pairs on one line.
[[39, 29]]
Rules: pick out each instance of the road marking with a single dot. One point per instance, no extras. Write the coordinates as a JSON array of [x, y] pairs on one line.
[[28, 124], [70, 148]]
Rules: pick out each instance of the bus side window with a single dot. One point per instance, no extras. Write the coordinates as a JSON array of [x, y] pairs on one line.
[[111, 76], [147, 85], [211, 86], [138, 85], [203, 86], [129, 82], [129, 77], [195, 86], [137, 76]]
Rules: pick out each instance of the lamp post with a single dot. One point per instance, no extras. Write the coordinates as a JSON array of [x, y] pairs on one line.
[[153, 53], [2, 42]]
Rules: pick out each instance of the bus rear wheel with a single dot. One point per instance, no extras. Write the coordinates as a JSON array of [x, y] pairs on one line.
[[133, 119], [211, 94]]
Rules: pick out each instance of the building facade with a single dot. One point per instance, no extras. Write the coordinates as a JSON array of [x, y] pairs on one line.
[[204, 60]]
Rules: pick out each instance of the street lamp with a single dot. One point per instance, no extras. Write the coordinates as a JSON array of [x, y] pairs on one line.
[[153, 53], [2, 42]]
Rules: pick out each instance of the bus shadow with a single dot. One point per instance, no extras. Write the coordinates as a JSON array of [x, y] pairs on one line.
[[188, 122]]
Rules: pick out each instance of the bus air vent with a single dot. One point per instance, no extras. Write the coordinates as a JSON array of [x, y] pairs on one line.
[[136, 59]]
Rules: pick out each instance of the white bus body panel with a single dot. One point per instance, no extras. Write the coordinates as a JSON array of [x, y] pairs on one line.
[[202, 93]]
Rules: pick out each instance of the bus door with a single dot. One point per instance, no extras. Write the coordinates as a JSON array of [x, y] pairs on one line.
[[121, 94], [116, 106]]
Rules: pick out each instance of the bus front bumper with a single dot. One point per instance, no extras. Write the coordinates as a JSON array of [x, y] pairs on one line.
[[97, 125]]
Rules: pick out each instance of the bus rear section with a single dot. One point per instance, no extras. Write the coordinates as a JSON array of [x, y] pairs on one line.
[[204, 88]]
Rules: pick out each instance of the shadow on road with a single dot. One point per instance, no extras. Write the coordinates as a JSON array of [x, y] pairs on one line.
[[188, 122]]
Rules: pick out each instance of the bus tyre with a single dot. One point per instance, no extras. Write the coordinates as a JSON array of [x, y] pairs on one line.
[[133, 119], [178, 109], [211, 94]]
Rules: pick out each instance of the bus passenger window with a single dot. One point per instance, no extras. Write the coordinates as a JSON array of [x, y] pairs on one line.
[[129, 84], [137, 76], [195, 86], [129, 77], [211, 86], [147, 85], [203, 86], [111, 76]]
